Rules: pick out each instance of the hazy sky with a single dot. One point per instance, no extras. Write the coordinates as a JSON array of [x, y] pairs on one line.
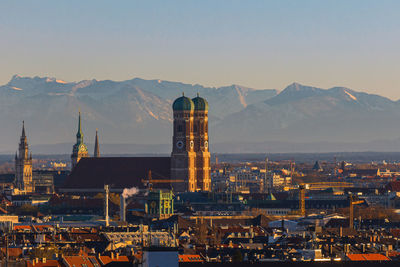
[[260, 44]]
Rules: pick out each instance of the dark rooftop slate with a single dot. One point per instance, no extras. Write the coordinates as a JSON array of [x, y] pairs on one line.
[[118, 172]]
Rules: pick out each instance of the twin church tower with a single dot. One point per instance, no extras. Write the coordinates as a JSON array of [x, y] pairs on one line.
[[190, 157]]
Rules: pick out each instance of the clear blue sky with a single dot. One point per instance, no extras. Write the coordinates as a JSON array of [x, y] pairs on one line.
[[260, 44]]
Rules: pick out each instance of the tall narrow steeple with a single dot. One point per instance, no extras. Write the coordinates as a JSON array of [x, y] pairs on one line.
[[23, 129], [79, 134], [96, 147], [79, 150], [23, 165], [23, 144]]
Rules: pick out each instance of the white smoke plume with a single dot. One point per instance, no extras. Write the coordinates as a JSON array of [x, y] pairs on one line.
[[128, 192]]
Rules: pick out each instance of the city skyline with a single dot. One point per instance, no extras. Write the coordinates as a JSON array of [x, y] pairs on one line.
[[263, 45], [178, 133]]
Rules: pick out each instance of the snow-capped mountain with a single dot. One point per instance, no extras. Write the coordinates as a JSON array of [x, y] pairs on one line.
[[308, 114], [139, 111], [132, 111]]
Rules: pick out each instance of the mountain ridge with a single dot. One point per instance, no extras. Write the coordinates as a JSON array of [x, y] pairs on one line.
[[139, 111]]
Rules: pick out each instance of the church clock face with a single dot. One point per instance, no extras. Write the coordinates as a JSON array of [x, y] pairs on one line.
[[191, 144], [206, 144], [82, 148], [179, 144]]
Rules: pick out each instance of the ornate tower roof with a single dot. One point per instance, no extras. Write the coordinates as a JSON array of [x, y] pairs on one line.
[[183, 103], [79, 146], [79, 134], [23, 164], [96, 147], [23, 139], [79, 150], [200, 103], [317, 167], [23, 144], [23, 129]]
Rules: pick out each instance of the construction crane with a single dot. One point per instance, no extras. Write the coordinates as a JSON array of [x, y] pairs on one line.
[[150, 181], [321, 185], [302, 195], [353, 201], [325, 185]]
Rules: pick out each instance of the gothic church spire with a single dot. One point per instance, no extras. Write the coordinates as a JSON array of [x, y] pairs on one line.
[[23, 165], [79, 134], [23, 129], [96, 147]]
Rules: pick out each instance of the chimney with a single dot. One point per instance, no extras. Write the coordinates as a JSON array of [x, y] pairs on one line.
[[122, 210], [106, 193]]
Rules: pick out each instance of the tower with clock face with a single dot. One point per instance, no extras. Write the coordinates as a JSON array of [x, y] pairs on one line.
[[183, 155], [200, 132], [79, 149], [23, 165]]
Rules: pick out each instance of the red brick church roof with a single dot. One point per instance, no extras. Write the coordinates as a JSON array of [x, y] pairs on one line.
[[118, 172]]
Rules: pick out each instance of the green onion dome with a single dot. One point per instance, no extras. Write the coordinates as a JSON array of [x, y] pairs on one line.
[[183, 103], [200, 103]]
